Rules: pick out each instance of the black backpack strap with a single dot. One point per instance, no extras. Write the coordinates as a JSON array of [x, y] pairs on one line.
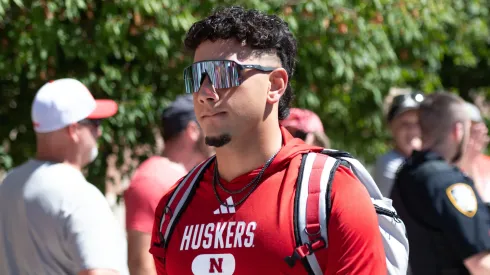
[[336, 153], [312, 206]]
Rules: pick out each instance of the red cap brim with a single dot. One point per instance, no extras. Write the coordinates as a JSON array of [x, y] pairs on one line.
[[105, 108]]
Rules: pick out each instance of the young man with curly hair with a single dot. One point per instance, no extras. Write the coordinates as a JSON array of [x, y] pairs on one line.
[[239, 218]]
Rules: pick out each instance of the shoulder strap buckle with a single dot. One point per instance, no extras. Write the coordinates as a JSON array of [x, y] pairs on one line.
[[304, 250], [316, 245]]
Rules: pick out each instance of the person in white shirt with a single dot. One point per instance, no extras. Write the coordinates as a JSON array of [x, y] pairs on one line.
[[52, 221]]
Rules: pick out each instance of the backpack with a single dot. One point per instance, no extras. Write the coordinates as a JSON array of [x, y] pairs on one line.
[[310, 210]]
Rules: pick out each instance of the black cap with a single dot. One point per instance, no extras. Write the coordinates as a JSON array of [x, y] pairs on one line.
[[177, 116], [403, 103]]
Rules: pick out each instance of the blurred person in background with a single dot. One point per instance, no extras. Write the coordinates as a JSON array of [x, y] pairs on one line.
[[52, 221], [403, 122], [184, 148], [446, 220], [474, 162], [306, 125]]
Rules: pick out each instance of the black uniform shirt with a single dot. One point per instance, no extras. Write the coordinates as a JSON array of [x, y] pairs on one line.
[[445, 218]]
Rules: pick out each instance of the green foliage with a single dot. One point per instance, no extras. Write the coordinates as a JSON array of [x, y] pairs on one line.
[[350, 54]]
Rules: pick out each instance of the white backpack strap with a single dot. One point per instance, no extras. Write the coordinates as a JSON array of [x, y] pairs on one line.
[[311, 209], [358, 169], [392, 228], [179, 200]]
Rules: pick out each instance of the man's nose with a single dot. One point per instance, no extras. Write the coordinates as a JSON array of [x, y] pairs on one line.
[[207, 92]]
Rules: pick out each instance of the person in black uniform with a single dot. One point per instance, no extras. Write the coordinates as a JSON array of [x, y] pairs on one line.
[[448, 225]]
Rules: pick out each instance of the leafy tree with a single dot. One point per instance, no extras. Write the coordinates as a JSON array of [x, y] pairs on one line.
[[350, 54]]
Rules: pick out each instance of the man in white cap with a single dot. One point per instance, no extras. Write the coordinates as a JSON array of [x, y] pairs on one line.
[[52, 221]]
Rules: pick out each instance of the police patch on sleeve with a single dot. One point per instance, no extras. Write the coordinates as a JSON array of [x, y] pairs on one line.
[[463, 198]]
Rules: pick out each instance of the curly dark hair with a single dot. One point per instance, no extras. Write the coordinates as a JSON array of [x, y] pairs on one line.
[[262, 32]]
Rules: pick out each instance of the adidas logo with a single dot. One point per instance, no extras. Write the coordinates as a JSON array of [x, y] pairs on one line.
[[225, 210]]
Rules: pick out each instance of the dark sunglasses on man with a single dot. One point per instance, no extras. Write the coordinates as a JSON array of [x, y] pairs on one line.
[[91, 122], [299, 134], [223, 74]]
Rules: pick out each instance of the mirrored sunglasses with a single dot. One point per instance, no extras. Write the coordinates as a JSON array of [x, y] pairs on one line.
[[222, 74]]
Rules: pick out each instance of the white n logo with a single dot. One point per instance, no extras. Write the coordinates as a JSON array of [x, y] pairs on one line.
[[213, 264], [225, 210]]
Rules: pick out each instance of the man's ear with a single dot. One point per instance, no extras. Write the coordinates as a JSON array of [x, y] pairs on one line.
[[72, 131], [458, 131], [278, 80], [193, 131]]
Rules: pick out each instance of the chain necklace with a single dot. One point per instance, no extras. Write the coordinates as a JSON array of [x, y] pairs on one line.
[[254, 183]]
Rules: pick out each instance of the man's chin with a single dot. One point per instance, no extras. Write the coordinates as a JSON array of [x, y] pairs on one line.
[[217, 141]]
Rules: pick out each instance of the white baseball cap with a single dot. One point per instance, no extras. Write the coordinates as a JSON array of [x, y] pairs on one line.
[[62, 102], [474, 112]]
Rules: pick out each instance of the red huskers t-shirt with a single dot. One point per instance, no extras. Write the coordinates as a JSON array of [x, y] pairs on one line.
[[256, 236]]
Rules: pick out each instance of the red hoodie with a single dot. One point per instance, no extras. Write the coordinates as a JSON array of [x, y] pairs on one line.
[[256, 236]]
